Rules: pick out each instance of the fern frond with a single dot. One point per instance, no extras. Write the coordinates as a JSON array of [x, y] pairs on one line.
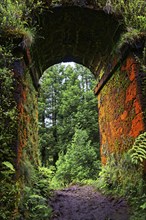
[[138, 151]]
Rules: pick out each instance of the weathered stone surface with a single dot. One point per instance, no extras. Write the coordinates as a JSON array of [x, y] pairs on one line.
[[78, 34], [26, 98], [120, 103]]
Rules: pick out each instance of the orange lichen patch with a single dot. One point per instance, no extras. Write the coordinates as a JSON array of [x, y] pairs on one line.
[[20, 147], [104, 137], [22, 141], [19, 155], [129, 106], [128, 63], [25, 133], [120, 130], [131, 92], [132, 72], [116, 132], [28, 55], [113, 130], [137, 106], [21, 109], [110, 145], [102, 112], [137, 125], [103, 160], [124, 115], [27, 118], [116, 129]]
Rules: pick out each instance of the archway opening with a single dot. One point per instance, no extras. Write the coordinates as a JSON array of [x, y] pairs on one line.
[[68, 121]]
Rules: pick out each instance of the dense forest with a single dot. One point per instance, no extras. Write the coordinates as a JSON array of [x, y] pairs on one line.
[[67, 116], [66, 104], [67, 131]]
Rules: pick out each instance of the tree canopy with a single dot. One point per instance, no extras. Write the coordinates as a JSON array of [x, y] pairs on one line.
[[66, 102]]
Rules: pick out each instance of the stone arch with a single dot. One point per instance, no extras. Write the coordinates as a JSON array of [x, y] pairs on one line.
[[80, 34], [90, 37]]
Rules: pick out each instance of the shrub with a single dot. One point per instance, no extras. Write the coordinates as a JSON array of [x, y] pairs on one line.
[[33, 205], [123, 176], [80, 161], [120, 176], [34, 196], [35, 192]]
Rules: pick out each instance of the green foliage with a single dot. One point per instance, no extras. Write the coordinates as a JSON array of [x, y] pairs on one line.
[[28, 119], [8, 129], [14, 18], [17, 19], [138, 155], [133, 13], [66, 100], [80, 161], [47, 173], [11, 14], [9, 165], [9, 191], [45, 176], [49, 102], [121, 176], [35, 193], [129, 37], [27, 170], [33, 205], [138, 207], [138, 151], [8, 115]]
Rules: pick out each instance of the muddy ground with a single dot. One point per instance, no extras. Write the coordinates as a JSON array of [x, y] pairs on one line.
[[84, 203]]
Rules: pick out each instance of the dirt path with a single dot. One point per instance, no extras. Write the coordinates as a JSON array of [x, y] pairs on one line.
[[83, 203]]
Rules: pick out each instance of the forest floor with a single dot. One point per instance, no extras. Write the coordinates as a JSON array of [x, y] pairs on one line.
[[84, 203]]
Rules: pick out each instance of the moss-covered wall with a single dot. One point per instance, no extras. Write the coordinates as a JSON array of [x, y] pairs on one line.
[[26, 97], [121, 104]]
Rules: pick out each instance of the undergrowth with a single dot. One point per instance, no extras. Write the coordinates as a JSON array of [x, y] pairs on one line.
[[35, 193], [9, 192], [80, 162], [122, 176]]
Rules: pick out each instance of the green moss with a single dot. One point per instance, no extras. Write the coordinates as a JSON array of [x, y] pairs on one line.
[[8, 137], [30, 120]]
